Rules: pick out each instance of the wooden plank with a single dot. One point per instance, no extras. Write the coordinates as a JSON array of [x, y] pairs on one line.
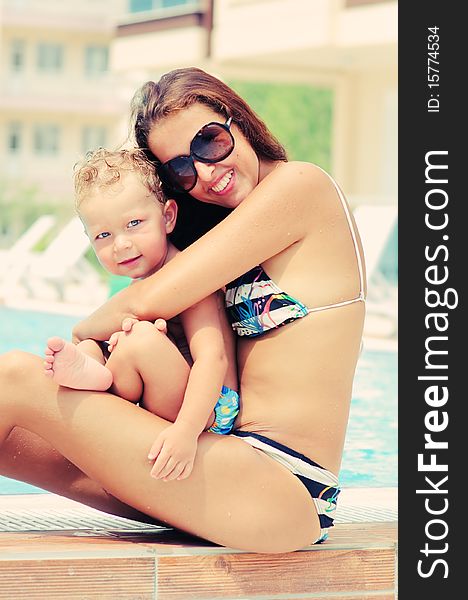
[[42, 545], [356, 563], [364, 535], [251, 575], [78, 579], [358, 596]]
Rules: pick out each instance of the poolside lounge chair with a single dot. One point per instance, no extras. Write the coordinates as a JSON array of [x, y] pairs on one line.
[[62, 263], [377, 224], [14, 260]]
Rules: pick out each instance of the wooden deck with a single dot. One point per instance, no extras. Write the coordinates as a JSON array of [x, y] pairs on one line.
[[358, 562]]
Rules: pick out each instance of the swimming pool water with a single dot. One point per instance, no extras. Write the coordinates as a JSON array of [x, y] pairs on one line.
[[370, 457], [370, 452]]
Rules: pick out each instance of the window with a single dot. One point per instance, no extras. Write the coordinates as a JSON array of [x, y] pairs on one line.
[[14, 137], [50, 57], [46, 139], [142, 5], [93, 137], [96, 60], [17, 55]]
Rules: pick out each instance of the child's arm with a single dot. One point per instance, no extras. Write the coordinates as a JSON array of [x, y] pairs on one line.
[[175, 448]]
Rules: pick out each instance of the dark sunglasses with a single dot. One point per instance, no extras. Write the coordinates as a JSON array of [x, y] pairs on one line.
[[213, 143]]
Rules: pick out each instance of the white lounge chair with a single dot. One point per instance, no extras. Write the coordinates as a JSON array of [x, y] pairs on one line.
[[14, 260], [26, 242], [376, 224], [62, 263]]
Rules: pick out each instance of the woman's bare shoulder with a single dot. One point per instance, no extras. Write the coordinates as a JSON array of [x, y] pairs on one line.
[[297, 174], [302, 184], [299, 166]]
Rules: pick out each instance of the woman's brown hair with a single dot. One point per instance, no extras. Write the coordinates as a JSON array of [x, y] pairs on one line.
[[180, 89]]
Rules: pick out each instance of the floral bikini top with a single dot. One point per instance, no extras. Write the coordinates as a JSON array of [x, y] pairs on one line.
[[255, 304]]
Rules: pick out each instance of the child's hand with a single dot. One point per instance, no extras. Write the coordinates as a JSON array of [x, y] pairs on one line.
[[161, 325], [114, 340], [174, 453], [128, 323]]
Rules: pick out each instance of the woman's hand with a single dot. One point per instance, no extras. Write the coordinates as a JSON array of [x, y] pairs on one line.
[[174, 453], [106, 319], [80, 332]]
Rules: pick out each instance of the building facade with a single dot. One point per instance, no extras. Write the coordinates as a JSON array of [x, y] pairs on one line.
[[58, 98], [346, 46], [68, 71]]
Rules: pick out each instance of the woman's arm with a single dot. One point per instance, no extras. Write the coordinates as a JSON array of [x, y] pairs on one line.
[[275, 215]]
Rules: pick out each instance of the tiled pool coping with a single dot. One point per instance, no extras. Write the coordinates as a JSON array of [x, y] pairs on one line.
[[49, 512]]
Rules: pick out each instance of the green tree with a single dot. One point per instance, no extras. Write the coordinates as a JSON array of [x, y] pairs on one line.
[[300, 116], [20, 206]]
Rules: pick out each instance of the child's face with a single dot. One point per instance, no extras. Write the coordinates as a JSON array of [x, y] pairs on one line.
[[128, 227]]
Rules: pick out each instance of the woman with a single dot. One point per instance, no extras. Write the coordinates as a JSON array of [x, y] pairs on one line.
[[299, 332]]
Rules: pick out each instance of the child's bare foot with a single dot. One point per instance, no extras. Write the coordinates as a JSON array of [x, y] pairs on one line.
[[70, 367]]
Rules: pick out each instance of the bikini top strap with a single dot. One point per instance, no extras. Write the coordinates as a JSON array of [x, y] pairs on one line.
[[353, 233]]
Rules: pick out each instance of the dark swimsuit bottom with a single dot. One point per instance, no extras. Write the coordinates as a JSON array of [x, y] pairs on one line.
[[321, 484]]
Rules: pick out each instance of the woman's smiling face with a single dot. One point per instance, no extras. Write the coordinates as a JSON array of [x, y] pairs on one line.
[[225, 183]]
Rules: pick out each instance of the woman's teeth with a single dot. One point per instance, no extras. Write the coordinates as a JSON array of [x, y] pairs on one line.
[[221, 185]]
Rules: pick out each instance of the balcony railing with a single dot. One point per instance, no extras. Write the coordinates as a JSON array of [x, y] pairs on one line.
[[196, 15], [351, 3], [86, 15], [158, 10], [64, 94]]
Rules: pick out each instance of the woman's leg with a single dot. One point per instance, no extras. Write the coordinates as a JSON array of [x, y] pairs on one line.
[[235, 496], [147, 366], [27, 457]]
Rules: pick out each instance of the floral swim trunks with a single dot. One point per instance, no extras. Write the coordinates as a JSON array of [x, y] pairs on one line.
[[226, 411]]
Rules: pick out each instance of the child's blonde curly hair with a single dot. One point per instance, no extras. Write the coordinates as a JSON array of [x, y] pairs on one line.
[[102, 168]]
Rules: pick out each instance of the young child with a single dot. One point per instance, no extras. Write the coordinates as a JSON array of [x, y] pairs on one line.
[[178, 376]]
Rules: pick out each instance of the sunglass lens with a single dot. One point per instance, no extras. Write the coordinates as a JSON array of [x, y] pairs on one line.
[[212, 143], [180, 173]]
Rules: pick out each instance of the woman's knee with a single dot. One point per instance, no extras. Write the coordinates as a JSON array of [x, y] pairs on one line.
[[21, 378], [16, 366]]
